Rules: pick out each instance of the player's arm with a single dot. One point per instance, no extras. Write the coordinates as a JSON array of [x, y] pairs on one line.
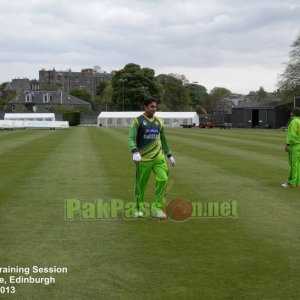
[[166, 148], [132, 137], [164, 143], [136, 157]]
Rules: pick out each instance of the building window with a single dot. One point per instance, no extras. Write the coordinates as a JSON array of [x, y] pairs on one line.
[[13, 107], [28, 98], [46, 98], [58, 77]]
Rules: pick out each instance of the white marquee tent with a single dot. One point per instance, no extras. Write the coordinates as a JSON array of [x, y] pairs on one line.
[[124, 118], [31, 120]]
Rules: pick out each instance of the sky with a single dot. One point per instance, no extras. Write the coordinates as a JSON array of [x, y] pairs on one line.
[[237, 44]]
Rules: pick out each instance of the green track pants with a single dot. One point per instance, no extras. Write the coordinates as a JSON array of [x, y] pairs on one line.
[[143, 171], [294, 163]]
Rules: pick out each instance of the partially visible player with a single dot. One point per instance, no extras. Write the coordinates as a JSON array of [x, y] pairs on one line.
[[148, 145], [293, 149]]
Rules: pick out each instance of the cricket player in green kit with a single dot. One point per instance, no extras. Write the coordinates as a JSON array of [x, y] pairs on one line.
[[148, 145], [293, 149]]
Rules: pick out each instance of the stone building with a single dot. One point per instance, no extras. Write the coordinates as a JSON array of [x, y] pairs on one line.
[[88, 79], [19, 85], [225, 103]]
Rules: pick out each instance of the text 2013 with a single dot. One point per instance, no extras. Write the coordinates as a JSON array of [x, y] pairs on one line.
[[7, 289]]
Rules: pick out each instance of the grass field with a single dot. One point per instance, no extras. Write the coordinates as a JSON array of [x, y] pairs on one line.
[[252, 256]]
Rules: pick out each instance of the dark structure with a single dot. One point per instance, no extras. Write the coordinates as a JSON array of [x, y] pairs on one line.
[[297, 101], [261, 114], [47, 101]]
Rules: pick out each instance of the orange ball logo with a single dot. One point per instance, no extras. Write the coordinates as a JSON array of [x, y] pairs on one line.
[[179, 209]]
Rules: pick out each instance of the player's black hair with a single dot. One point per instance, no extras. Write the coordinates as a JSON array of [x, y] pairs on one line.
[[148, 101], [296, 111]]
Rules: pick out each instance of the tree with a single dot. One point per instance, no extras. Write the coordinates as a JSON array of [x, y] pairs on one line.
[[261, 94], [2, 86], [82, 94], [215, 94], [289, 81], [181, 77], [198, 94], [131, 85], [218, 92], [100, 88], [103, 100], [175, 96], [5, 96]]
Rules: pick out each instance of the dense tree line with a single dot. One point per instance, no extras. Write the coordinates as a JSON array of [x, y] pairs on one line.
[[5, 96], [132, 84]]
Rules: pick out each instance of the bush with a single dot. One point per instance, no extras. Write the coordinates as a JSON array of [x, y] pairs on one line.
[[72, 117]]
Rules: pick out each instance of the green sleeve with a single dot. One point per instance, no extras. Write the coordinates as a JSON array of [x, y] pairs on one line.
[[164, 143], [132, 137], [293, 136]]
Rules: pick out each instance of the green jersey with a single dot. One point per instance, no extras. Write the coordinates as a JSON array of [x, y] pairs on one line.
[[146, 136], [293, 136]]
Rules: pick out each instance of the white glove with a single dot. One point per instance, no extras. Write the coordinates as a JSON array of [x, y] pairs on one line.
[[172, 160], [136, 157]]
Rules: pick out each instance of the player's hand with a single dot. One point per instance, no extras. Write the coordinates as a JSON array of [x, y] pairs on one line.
[[172, 160], [136, 157]]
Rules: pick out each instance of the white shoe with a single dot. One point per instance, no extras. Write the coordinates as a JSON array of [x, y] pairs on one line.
[[159, 214], [286, 186], [138, 214]]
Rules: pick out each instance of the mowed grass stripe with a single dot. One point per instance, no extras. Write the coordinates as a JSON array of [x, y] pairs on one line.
[[116, 161], [246, 132], [15, 140], [275, 159], [214, 135], [243, 142], [20, 157]]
